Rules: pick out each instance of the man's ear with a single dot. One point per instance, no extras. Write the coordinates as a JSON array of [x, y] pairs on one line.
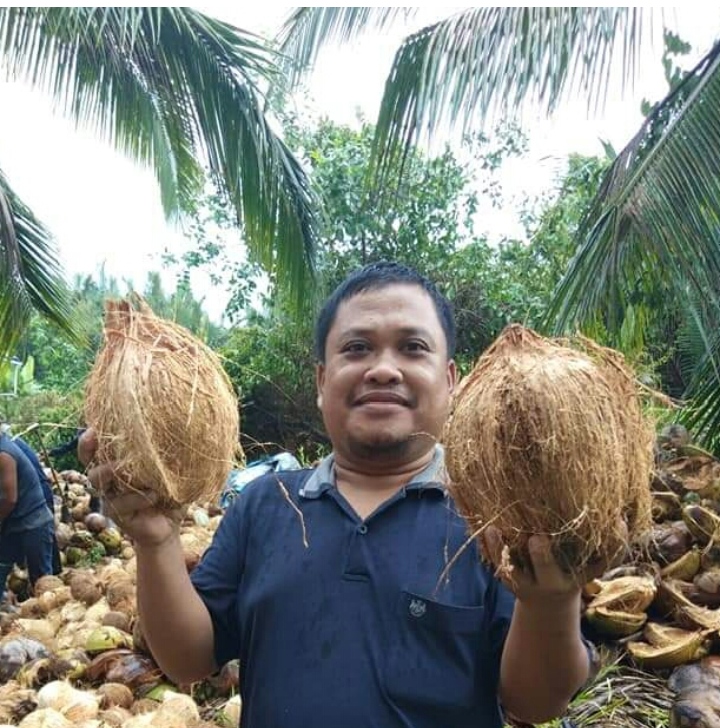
[[319, 383], [451, 375]]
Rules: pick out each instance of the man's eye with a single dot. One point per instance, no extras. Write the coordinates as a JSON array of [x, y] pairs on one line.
[[355, 347], [416, 346]]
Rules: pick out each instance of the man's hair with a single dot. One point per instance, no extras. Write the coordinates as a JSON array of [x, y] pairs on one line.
[[376, 276]]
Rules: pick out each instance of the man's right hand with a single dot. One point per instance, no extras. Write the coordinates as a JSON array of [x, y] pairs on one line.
[[133, 509]]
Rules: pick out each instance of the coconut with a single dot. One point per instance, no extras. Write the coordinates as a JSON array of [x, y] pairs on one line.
[[95, 522], [63, 533], [115, 694], [85, 588], [162, 406], [45, 718], [229, 714], [548, 437], [31, 608], [119, 590], [119, 620], [115, 716], [47, 583]]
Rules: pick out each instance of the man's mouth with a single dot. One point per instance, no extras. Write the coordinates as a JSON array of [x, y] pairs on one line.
[[381, 398]]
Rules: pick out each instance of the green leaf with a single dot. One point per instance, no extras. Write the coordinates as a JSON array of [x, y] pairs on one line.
[[180, 92], [30, 274], [656, 216], [480, 61]]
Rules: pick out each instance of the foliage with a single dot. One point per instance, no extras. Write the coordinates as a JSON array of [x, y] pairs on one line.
[[620, 696], [482, 60], [30, 273], [58, 415], [153, 82], [648, 247], [430, 226], [17, 377], [53, 394]]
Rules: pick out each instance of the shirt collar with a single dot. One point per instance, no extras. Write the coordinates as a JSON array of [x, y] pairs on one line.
[[431, 477]]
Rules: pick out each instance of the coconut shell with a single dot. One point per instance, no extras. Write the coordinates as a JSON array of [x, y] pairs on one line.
[[163, 407], [548, 437]]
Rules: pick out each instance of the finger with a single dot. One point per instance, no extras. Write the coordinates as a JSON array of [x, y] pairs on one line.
[[543, 564], [105, 478], [492, 545], [87, 446]]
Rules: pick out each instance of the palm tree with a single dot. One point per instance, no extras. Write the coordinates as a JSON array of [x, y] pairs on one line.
[[175, 90], [655, 223]]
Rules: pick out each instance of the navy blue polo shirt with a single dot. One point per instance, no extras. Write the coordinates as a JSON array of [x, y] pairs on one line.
[[343, 622]]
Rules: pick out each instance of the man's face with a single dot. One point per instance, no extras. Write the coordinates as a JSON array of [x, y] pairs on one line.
[[385, 386]]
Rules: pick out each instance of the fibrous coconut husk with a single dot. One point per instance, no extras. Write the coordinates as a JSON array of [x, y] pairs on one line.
[[162, 406], [548, 437]]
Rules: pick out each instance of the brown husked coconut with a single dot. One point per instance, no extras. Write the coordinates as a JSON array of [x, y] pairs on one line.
[[115, 695], [95, 522], [119, 620], [85, 588], [47, 583], [119, 591], [163, 407], [115, 716], [548, 437]]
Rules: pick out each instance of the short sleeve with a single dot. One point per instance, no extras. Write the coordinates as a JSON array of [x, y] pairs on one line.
[[217, 581]]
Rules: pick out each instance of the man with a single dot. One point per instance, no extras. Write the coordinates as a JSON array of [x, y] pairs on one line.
[[331, 585], [31, 455], [26, 523]]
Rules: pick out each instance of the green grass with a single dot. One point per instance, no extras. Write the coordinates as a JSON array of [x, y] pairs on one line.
[[621, 697]]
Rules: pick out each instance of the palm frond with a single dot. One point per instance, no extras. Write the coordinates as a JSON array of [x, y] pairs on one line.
[[30, 274], [307, 30], [459, 71], [656, 217], [701, 415], [179, 91]]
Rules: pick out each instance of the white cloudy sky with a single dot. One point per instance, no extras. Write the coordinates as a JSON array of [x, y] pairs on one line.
[[102, 208]]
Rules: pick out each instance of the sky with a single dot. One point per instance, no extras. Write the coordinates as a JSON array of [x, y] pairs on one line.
[[105, 210]]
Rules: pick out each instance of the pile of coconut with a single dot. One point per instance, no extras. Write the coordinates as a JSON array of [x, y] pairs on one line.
[[74, 651]]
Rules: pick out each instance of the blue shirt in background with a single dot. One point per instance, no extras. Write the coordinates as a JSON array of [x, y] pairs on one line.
[[355, 626], [31, 455], [31, 509]]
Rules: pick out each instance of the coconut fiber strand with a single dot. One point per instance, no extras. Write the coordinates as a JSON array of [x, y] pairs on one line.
[[162, 406], [548, 437]]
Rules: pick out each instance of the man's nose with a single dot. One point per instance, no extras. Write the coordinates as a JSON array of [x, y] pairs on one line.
[[384, 369]]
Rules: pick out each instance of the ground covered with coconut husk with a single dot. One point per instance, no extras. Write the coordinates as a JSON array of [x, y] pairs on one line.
[[73, 653], [656, 618]]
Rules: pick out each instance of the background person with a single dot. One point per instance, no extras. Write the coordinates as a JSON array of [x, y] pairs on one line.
[[26, 523]]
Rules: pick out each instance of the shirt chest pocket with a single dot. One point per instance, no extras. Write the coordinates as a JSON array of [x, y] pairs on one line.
[[434, 653]]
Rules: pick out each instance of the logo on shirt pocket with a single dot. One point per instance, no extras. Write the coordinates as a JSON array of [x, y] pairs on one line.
[[434, 653]]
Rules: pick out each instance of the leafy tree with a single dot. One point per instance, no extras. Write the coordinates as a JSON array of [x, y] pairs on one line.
[[430, 227], [62, 365], [154, 82], [651, 232]]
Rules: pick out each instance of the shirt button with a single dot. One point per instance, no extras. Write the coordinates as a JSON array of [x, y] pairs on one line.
[[362, 529]]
